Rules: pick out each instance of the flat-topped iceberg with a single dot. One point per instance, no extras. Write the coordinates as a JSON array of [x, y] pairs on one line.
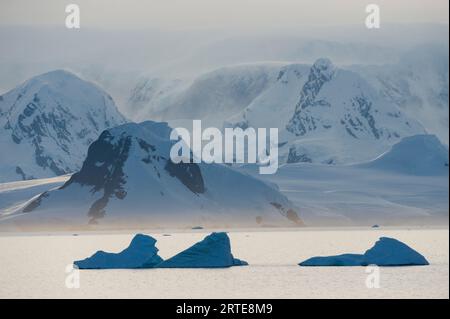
[[141, 253], [339, 260], [213, 251], [386, 252]]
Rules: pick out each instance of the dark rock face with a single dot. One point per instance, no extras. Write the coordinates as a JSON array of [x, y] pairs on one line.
[[187, 173], [355, 124], [321, 72], [357, 112], [295, 157], [103, 170]]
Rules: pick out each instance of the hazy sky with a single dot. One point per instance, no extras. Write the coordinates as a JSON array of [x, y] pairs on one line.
[[180, 14]]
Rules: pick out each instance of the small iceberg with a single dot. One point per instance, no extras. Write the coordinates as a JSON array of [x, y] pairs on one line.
[[386, 252], [213, 251], [339, 260], [141, 253], [392, 252]]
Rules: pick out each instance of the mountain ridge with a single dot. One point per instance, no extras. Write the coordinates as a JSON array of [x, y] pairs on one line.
[[129, 179], [56, 115]]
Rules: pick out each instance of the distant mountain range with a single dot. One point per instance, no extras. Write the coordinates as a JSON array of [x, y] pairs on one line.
[[325, 113], [56, 123]]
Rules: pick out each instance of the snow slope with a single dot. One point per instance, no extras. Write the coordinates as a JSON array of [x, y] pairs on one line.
[[14, 195], [48, 122], [407, 185], [328, 115], [418, 85], [217, 95], [385, 191], [278, 99], [421, 155], [128, 179], [151, 96], [324, 113]]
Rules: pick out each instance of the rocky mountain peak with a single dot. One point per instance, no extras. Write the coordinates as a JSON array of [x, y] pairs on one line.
[[57, 115]]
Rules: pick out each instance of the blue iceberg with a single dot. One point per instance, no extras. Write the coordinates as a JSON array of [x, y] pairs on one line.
[[386, 252], [339, 260], [141, 253], [392, 252], [212, 252]]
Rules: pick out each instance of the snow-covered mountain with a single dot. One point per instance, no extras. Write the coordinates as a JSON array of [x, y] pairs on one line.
[[339, 113], [48, 122], [420, 155], [275, 105], [152, 94], [327, 114], [211, 97], [128, 178], [418, 85]]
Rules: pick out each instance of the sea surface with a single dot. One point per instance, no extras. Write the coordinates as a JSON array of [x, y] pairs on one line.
[[37, 265]]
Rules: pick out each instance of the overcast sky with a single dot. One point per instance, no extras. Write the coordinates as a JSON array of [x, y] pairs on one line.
[[181, 14]]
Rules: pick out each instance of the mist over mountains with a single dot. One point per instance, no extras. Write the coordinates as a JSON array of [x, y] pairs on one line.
[[343, 100]]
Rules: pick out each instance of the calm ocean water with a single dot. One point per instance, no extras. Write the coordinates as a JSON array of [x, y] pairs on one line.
[[35, 266]]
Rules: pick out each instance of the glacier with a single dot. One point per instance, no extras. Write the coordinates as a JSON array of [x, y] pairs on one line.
[[386, 252]]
